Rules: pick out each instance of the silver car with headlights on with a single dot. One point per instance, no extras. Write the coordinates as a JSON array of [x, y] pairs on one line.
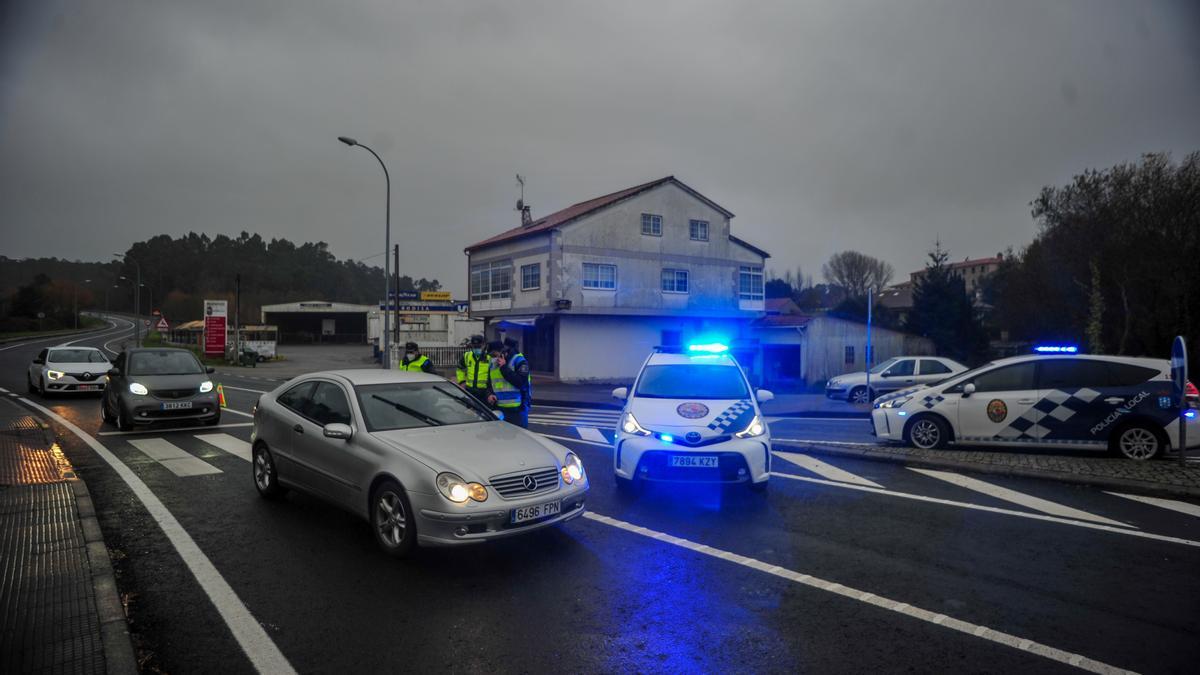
[[420, 459]]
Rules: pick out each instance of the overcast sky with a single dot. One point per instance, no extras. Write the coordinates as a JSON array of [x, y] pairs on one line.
[[876, 126]]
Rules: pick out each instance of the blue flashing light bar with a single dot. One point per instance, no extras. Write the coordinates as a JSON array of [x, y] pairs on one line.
[[710, 348], [1190, 414], [1056, 349], [666, 438]]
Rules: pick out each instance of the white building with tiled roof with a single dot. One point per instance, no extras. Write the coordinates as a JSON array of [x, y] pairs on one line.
[[591, 289]]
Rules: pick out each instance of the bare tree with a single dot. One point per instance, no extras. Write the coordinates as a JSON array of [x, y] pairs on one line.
[[856, 272]]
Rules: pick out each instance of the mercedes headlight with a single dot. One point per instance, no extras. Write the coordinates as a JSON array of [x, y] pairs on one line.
[[458, 490], [894, 403], [629, 425], [755, 428], [205, 386], [139, 389], [55, 374], [572, 469]]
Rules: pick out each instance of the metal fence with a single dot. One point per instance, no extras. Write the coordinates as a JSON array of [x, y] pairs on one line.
[[445, 359]]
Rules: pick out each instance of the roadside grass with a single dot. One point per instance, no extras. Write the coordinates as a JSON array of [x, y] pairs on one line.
[[85, 323]]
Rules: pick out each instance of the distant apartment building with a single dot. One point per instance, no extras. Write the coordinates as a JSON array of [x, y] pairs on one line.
[[590, 290], [899, 297]]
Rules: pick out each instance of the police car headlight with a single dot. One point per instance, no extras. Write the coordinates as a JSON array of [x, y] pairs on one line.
[[458, 490], [894, 403], [139, 389], [572, 469], [55, 374], [629, 425], [755, 428]]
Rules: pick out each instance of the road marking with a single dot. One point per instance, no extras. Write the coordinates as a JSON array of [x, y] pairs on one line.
[[974, 630], [591, 434], [174, 458], [853, 444], [553, 423], [584, 413], [232, 445], [264, 655], [256, 391], [236, 412], [1182, 507], [141, 432], [1125, 529], [1012, 496], [576, 440], [825, 470]]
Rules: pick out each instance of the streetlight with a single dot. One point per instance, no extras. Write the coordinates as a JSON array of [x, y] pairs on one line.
[[137, 305], [387, 247]]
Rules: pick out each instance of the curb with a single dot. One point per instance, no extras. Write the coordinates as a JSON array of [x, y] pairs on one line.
[[1125, 484]]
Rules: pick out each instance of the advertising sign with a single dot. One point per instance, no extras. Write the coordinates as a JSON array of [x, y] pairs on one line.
[[435, 296], [216, 313]]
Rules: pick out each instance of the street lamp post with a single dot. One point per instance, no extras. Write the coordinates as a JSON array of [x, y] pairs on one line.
[[387, 246], [137, 305]]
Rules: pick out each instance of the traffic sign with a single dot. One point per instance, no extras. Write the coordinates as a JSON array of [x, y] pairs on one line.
[[162, 326], [1179, 373]]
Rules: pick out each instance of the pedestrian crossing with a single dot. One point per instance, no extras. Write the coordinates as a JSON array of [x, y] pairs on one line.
[[183, 463]]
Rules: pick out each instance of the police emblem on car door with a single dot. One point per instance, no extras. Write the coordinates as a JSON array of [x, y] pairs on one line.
[[1001, 409]]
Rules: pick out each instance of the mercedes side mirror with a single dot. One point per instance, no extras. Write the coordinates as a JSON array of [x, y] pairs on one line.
[[765, 395], [338, 431], [968, 389], [621, 393]]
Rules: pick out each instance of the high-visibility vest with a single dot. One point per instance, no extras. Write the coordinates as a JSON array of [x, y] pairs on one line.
[[415, 365], [475, 374], [507, 396]]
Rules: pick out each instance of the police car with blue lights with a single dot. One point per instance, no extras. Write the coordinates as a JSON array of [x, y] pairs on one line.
[[692, 416], [1055, 398]]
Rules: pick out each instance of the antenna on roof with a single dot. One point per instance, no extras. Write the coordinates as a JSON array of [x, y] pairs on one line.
[[522, 207]]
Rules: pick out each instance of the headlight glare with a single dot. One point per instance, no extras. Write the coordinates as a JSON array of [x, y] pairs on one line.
[[55, 374], [629, 425], [139, 389], [572, 468], [895, 403], [458, 490], [755, 428], [206, 386]]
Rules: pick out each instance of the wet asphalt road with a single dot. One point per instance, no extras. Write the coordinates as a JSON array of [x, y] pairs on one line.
[[591, 596]]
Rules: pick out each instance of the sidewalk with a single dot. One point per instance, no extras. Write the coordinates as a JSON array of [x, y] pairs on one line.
[[59, 608], [1156, 477], [549, 392]]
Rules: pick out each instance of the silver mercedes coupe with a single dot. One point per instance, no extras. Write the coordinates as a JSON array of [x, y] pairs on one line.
[[419, 458]]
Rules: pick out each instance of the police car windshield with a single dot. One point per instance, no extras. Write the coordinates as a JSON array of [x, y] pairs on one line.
[[691, 381], [426, 404]]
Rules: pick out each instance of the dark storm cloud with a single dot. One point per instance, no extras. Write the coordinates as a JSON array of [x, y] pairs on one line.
[[824, 126]]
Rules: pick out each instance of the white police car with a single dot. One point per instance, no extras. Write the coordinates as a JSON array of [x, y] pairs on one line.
[[1046, 401], [691, 417]]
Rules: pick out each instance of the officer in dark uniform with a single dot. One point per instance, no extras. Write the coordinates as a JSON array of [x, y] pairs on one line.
[[414, 360]]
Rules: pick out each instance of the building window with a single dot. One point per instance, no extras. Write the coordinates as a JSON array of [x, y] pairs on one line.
[[674, 281], [491, 280], [849, 355], [750, 283], [531, 277], [652, 224], [698, 230], [596, 275]]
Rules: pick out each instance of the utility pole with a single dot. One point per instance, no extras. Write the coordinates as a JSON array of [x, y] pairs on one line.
[[396, 316], [869, 356], [237, 317]]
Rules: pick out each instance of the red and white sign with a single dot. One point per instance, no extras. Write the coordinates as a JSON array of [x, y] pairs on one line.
[[216, 313], [162, 326]]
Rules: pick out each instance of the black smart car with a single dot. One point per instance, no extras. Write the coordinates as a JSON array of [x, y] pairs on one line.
[[149, 385]]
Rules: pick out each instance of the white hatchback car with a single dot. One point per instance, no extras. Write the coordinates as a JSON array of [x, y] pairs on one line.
[[1126, 405], [68, 370], [691, 417]]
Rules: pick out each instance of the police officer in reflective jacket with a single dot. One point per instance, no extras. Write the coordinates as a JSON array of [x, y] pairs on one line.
[[414, 360], [472, 371], [508, 383]]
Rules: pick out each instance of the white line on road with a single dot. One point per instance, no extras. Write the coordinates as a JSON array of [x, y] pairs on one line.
[[974, 630], [854, 444], [825, 470], [1014, 497], [140, 432], [576, 440], [236, 412], [256, 391], [174, 458], [591, 434], [264, 655], [1181, 507], [232, 445], [995, 509]]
